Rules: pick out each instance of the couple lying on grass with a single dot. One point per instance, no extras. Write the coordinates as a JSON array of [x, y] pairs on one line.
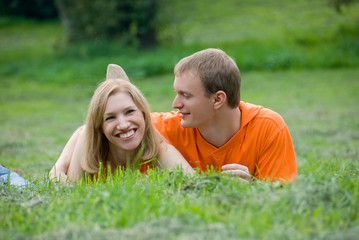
[[212, 127]]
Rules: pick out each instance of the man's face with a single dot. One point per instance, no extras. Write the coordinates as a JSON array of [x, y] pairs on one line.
[[195, 108]]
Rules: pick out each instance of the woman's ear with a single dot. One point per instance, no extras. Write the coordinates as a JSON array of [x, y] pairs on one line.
[[220, 99]]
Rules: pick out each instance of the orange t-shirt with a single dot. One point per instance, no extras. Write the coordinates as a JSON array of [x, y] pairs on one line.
[[263, 144]]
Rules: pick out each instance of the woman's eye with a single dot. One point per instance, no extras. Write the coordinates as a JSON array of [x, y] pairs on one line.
[[109, 118], [130, 111]]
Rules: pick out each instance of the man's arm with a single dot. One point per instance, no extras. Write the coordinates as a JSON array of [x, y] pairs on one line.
[[275, 157], [277, 160]]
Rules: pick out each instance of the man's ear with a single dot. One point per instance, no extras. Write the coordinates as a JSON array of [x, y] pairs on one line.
[[220, 98], [114, 71]]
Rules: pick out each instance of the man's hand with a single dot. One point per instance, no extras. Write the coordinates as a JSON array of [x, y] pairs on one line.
[[237, 170]]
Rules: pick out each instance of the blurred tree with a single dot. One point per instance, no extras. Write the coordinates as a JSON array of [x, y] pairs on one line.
[[132, 20], [36, 9], [338, 4]]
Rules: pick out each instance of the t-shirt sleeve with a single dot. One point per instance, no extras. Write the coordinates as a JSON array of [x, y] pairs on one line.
[[166, 124], [276, 161]]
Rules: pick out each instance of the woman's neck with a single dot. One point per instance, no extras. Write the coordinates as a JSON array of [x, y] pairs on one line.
[[119, 157]]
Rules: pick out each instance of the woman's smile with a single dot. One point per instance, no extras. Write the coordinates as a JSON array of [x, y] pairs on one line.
[[127, 135]]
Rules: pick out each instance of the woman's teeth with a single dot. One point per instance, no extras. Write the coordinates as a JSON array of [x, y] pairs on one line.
[[127, 134]]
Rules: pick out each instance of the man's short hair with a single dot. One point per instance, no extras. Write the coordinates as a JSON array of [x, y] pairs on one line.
[[217, 71]]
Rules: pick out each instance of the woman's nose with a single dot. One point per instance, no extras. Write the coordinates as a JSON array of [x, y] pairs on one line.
[[123, 124]]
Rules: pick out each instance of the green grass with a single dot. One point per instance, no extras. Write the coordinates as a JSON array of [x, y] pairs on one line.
[[171, 206], [322, 115], [46, 88]]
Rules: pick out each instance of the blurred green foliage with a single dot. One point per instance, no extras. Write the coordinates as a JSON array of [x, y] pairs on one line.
[[259, 35], [34, 9], [134, 22], [339, 4]]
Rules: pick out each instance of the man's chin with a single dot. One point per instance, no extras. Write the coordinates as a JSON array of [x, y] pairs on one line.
[[185, 124]]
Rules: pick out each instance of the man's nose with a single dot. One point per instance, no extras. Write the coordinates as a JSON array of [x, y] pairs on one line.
[[177, 103]]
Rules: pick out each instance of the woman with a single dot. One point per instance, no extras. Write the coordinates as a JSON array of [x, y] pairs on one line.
[[118, 130]]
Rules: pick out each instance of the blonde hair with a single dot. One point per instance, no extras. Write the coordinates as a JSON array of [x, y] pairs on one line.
[[217, 71], [96, 146]]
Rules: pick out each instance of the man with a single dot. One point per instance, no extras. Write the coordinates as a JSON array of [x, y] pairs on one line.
[[212, 128]]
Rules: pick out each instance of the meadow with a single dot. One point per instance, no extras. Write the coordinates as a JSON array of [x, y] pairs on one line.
[[298, 58]]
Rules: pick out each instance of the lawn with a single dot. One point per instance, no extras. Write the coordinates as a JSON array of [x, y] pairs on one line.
[[292, 60]]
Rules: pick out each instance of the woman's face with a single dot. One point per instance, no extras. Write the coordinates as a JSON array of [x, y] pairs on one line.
[[123, 122]]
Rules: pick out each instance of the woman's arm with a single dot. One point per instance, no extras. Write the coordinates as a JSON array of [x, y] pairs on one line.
[[169, 158], [61, 168], [75, 171]]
